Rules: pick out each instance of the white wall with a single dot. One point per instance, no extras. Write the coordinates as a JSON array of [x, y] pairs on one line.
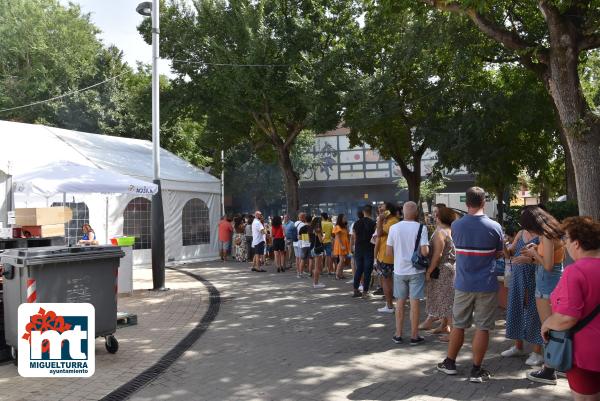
[[454, 200]]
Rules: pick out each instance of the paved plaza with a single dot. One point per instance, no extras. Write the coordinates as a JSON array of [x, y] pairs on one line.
[[276, 338]]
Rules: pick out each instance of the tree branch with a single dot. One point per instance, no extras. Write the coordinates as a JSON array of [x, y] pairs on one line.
[[589, 42], [509, 39], [292, 135]]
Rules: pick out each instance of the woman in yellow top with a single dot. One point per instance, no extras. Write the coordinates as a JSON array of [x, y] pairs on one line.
[[548, 257], [327, 228], [341, 244], [385, 264]]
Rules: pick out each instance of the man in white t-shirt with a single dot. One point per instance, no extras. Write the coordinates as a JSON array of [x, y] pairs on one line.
[[258, 242], [408, 281]]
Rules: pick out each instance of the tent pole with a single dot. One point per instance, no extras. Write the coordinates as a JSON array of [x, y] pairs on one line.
[[106, 223]]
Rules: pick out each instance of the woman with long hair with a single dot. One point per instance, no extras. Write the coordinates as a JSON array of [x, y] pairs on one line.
[[278, 242], [317, 249], [548, 257], [341, 246], [248, 236], [89, 236], [441, 272], [522, 317]]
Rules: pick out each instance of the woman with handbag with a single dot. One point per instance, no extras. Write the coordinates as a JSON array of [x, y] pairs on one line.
[[440, 274], [575, 309]]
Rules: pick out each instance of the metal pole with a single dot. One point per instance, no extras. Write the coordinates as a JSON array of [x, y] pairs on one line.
[[158, 222], [222, 183]]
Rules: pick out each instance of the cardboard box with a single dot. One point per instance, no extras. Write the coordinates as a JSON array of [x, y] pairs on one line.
[[42, 216], [48, 230]]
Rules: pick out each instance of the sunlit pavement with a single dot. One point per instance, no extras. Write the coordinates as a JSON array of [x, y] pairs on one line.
[[164, 319], [277, 338]]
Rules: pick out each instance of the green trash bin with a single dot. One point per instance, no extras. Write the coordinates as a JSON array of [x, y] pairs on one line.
[[62, 274]]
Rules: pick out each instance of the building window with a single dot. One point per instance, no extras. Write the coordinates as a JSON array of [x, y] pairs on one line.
[[137, 219], [81, 216], [195, 225]]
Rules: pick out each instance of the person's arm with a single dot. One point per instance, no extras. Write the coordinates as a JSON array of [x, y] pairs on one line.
[[380, 223], [436, 252], [557, 322], [389, 246], [424, 243], [547, 259], [510, 250]]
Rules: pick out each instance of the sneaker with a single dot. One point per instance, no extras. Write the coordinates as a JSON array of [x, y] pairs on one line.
[[447, 366], [360, 287], [318, 285], [534, 359], [544, 375], [385, 309], [298, 275], [417, 341], [512, 351], [378, 291], [350, 282], [357, 294], [479, 375], [397, 339], [366, 295]]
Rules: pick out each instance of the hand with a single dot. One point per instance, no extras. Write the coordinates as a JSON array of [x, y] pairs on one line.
[[521, 260], [428, 276], [529, 251], [545, 332]]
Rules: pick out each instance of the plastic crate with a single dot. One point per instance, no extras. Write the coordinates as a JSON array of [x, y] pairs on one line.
[[123, 241]]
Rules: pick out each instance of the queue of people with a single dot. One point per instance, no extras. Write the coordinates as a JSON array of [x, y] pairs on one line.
[[453, 268]]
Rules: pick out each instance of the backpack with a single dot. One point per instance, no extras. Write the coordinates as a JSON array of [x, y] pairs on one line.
[[294, 232]]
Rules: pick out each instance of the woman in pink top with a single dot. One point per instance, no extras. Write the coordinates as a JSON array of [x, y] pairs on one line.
[[575, 297]]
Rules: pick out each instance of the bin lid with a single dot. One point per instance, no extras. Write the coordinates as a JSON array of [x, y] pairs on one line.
[[51, 254]]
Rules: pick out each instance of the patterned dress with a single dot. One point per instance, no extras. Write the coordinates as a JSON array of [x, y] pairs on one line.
[[522, 319], [241, 250], [440, 291]]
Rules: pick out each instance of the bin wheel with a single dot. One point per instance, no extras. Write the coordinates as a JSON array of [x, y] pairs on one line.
[[14, 355], [112, 345]]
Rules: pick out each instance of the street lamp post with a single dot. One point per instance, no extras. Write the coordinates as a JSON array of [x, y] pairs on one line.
[[158, 223]]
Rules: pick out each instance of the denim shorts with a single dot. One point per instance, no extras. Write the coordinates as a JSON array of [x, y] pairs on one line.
[[224, 245], [297, 251], [409, 286], [327, 249], [545, 281]]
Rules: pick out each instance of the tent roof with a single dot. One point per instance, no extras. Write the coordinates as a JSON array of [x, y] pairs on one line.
[[28, 146]]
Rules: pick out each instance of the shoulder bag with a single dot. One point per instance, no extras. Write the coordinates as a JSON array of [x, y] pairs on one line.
[[558, 351], [419, 261]]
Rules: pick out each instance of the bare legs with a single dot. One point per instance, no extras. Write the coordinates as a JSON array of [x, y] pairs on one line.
[[387, 284], [414, 317], [340, 267], [317, 270], [480, 344]]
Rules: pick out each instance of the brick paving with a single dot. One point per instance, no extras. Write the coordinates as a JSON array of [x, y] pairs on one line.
[[276, 338], [164, 318]]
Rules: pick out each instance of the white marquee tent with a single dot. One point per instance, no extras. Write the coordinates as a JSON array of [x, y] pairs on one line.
[[190, 196]]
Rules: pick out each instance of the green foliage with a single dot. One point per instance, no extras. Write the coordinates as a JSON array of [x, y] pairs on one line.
[[560, 210]]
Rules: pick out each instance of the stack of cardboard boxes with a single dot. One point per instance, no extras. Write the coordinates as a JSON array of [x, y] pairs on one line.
[[43, 222]]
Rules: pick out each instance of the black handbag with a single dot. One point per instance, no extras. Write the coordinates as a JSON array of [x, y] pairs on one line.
[[558, 351], [435, 273], [419, 261]]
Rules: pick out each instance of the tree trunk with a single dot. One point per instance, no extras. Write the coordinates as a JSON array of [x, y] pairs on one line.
[[571, 184], [290, 180], [580, 125], [412, 177]]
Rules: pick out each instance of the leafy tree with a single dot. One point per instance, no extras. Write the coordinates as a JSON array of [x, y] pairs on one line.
[[550, 38], [262, 71], [407, 79]]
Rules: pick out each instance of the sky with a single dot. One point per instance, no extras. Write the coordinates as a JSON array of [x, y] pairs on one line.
[[118, 21]]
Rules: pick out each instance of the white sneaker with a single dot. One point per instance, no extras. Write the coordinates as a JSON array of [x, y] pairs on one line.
[[534, 359], [385, 309], [298, 275], [360, 288], [319, 285], [512, 351], [349, 281]]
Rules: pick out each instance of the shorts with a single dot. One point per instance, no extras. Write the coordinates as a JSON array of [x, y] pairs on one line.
[[224, 246], [314, 254], [297, 251], [385, 269], [409, 286], [259, 249], [279, 244], [327, 249], [305, 252], [477, 307], [545, 281], [583, 381]]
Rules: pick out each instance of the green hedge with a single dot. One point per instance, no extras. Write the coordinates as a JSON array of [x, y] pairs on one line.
[[560, 210]]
